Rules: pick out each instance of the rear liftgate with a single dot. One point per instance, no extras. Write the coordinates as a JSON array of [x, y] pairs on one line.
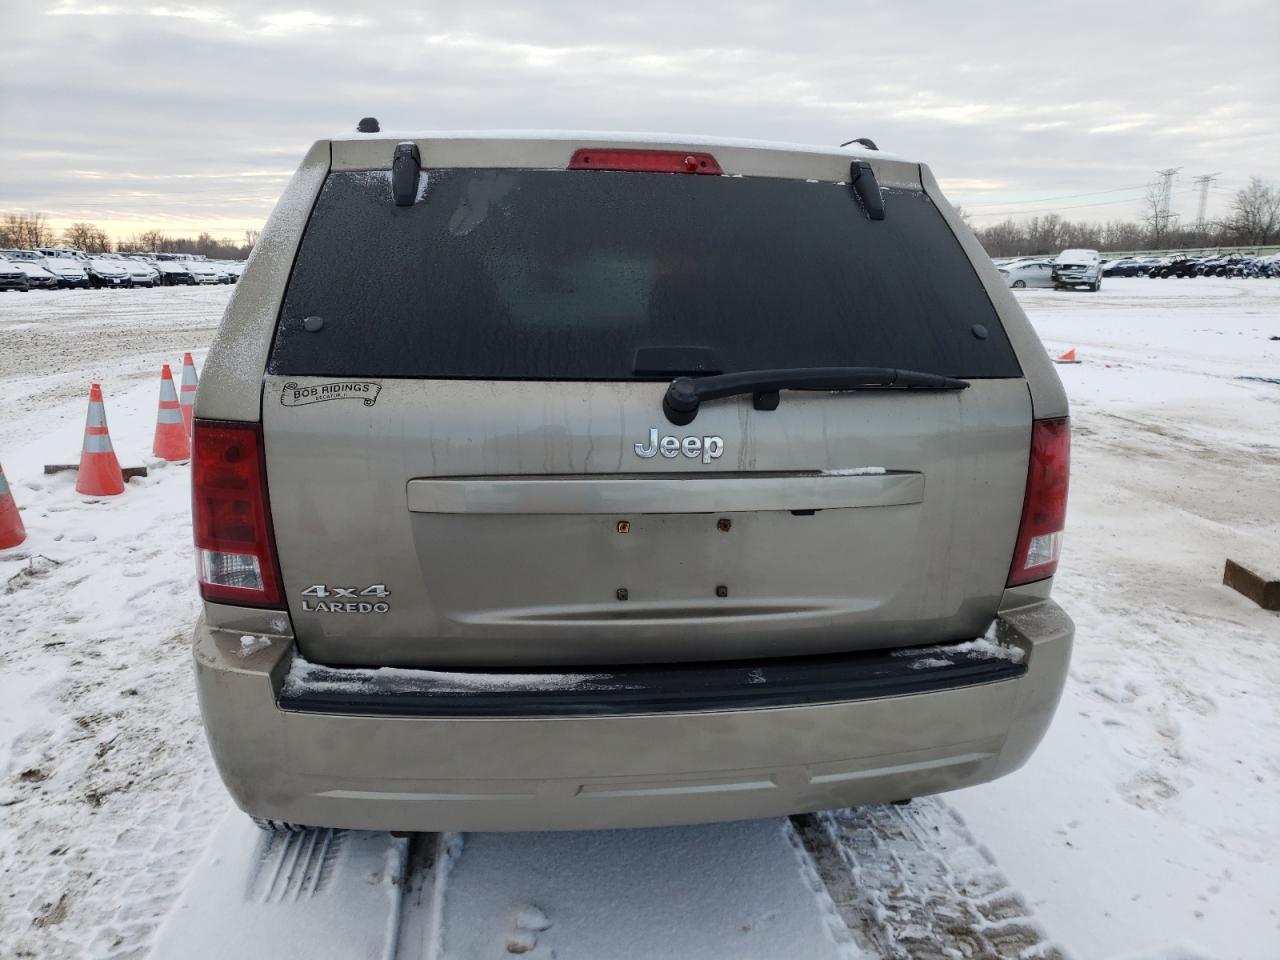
[[636, 411]]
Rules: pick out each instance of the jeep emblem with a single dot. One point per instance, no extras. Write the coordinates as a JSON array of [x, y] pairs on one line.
[[709, 448]]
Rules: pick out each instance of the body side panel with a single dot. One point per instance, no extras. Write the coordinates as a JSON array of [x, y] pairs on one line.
[[231, 382]]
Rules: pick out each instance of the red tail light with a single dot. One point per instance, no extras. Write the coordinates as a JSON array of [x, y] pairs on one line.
[[235, 550], [645, 161], [1044, 511]]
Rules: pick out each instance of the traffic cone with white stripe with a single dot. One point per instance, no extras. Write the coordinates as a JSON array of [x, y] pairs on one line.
[[99, 474], [187, 392], [171, 442], [12, 532]]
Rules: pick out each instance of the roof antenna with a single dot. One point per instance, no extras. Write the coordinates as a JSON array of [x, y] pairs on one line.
[[368, 125], [864, 141]]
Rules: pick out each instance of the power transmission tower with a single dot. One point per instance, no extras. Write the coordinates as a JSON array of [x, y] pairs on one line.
[[1204, 183], [1166, 195]]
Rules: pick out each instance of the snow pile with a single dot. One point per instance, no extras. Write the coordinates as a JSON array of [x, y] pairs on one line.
[[250, 644], [306, 677], [856, 472], [984, 648]]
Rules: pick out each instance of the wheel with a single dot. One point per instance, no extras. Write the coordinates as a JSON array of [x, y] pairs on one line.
[[1095, 286], [279, 826], [1018, 284]]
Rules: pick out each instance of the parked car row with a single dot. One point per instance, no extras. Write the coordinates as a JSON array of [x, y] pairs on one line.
[[51, 268], [1069, 269], [1234, 265], [1039, 271]]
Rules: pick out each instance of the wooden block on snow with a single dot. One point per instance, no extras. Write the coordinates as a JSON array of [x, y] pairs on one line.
[[125, 472], [1265, 593]]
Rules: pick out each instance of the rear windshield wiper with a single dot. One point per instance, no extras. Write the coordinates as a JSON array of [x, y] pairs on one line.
[[686, 394]]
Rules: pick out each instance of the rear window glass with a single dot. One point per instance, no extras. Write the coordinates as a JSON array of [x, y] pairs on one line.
[[564, 275]]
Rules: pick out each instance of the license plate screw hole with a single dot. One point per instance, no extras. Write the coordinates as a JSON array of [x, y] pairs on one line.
[[723, 524], [621, 593], [624, 526], [722, 591]]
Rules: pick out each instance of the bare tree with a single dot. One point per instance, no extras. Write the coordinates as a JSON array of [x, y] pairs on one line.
[[1156, 215], [251, 238], [153, 240], [25, 231], [1255, 213], [88, 237]]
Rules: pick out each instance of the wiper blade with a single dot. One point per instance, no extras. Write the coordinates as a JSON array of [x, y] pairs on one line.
[[685, 395]]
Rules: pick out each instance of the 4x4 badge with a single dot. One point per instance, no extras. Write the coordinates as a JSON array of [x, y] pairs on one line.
[[294, 395], [708, 448], [331, 599]]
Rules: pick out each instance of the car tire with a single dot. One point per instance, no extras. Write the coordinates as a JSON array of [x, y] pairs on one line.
[[1018, 284]]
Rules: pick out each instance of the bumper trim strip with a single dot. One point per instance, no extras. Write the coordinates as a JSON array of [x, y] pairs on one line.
[[640, 689]]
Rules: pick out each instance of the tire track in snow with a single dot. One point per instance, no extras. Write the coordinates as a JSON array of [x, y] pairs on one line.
[[911, 883]]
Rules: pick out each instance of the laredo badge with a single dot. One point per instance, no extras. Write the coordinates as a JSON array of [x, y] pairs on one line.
[[294, 395], [331, 599]]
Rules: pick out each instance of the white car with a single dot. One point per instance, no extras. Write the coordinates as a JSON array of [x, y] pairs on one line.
[[1028, 273], [232, 269], [202, 271], [1078, 268], [37, 276], [70, 272], [140, 274]]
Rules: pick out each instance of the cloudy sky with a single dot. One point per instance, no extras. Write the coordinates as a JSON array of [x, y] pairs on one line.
[[189, 116]]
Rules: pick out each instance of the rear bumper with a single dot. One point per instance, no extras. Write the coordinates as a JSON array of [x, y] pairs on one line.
[[389, 770]]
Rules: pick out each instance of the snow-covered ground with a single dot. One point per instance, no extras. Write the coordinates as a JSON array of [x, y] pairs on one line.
[[1151, 814], [1147, 826]]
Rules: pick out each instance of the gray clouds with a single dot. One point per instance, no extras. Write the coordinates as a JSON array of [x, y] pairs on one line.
[[183, 115]]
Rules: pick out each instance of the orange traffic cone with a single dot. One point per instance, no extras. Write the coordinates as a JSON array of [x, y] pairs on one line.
[[171, 441], [99, 474], [1068, 357], [12, 532], [187, 392]]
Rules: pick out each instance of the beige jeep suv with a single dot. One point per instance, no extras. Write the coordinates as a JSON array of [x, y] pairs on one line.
[[577, 480]]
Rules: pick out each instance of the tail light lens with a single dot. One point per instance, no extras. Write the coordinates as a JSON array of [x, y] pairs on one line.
[[1044, 510], [235, 550], [645, 161]]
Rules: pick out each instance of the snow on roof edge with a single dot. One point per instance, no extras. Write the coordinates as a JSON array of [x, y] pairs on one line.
[[604, 137]]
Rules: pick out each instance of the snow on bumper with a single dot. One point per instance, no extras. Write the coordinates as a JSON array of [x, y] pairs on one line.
[[603, 771]]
